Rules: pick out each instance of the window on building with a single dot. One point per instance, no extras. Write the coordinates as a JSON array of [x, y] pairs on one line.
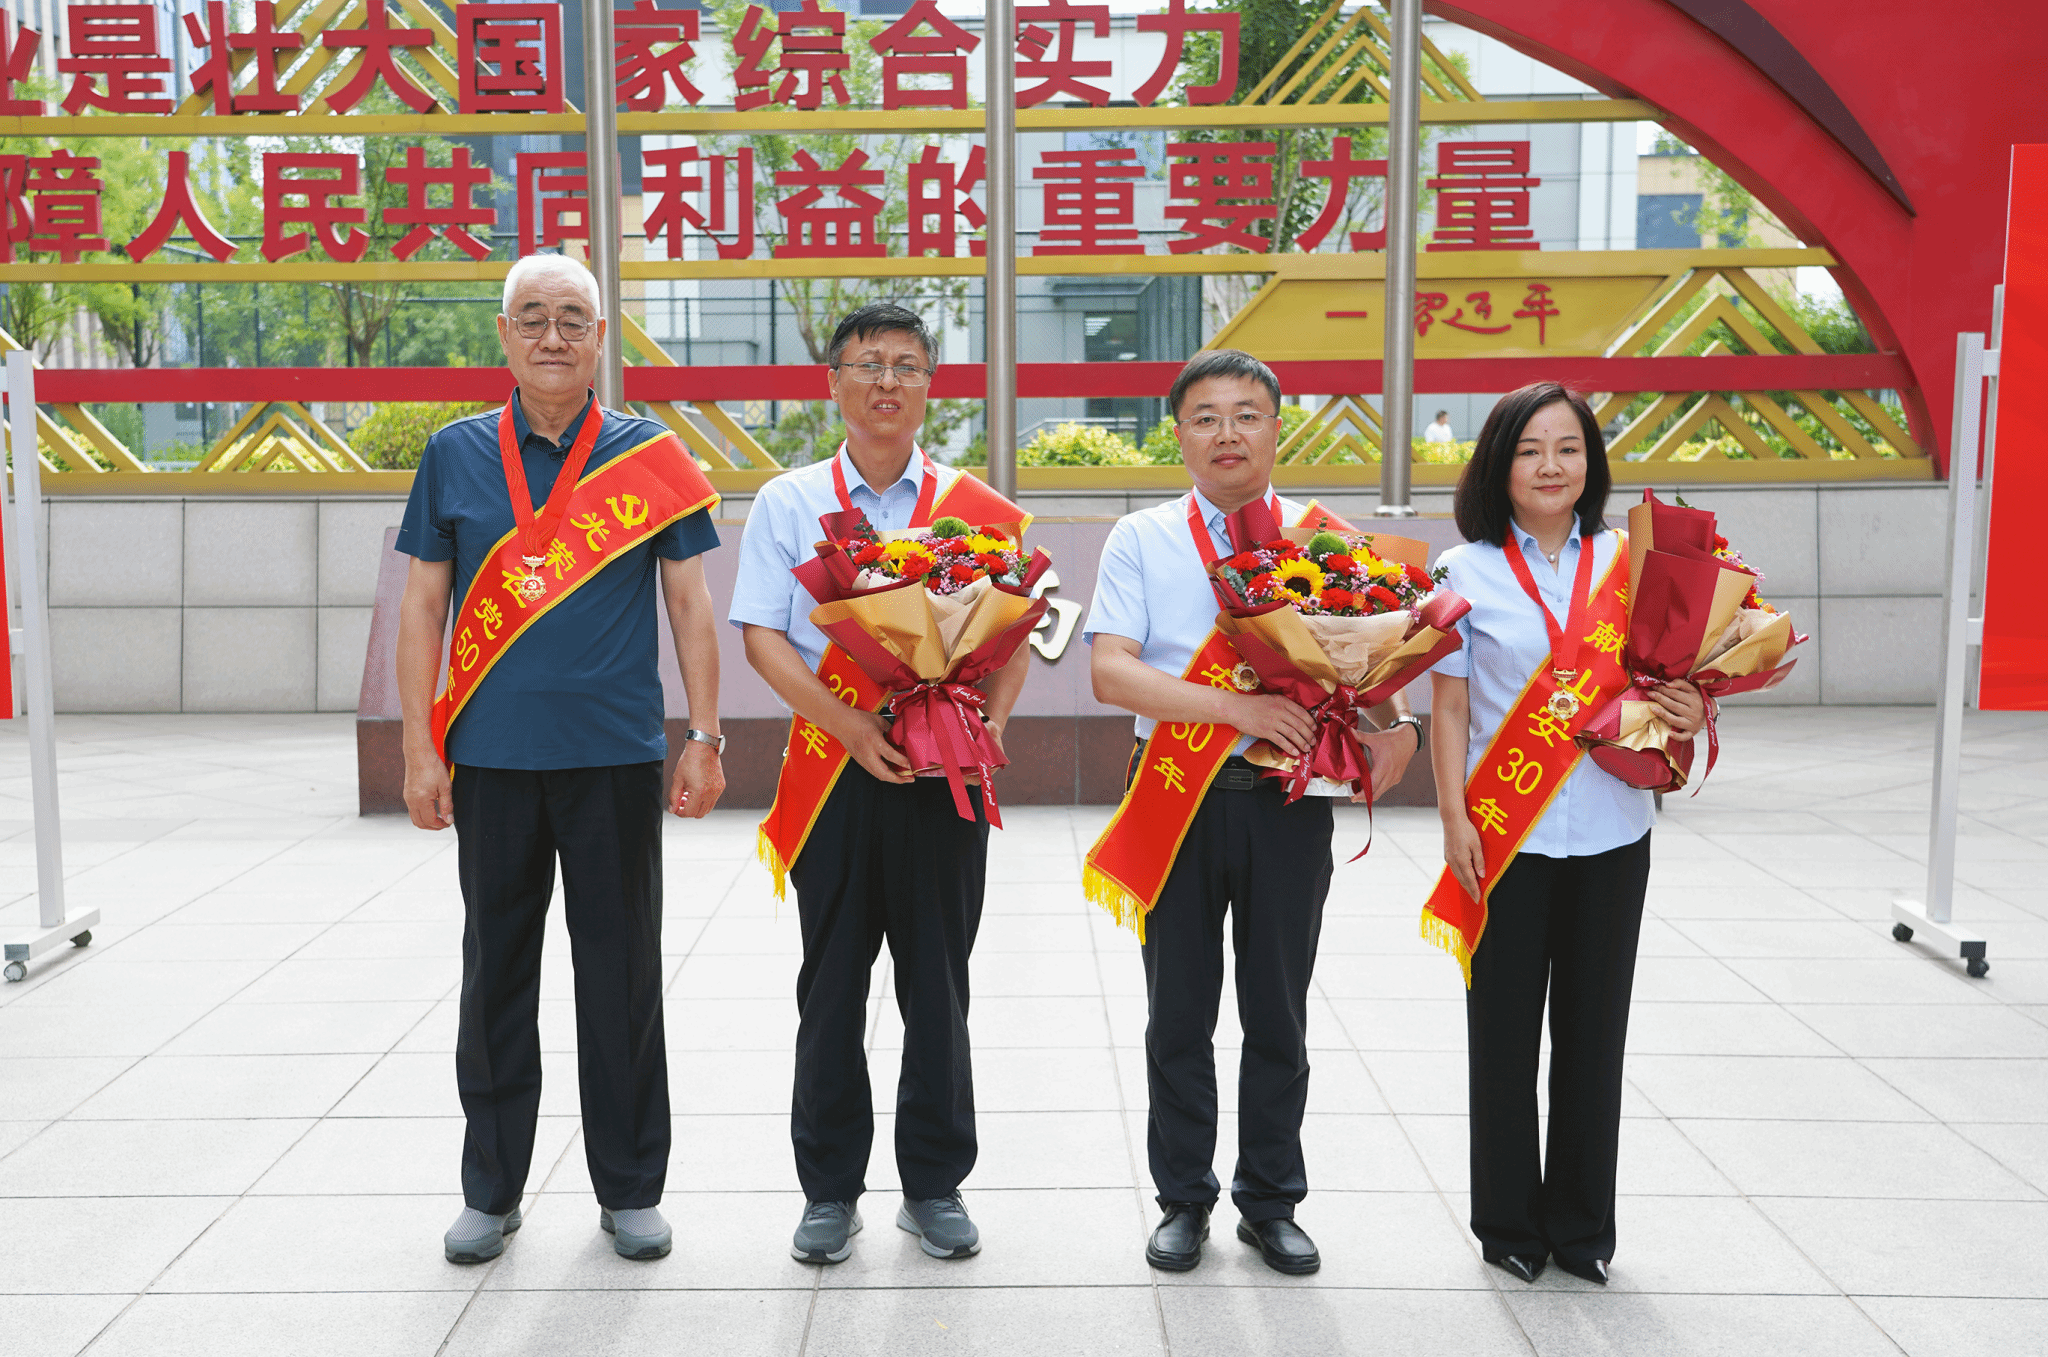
[[1666, 221]]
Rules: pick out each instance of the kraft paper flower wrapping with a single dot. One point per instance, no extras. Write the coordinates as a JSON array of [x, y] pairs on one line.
[[1687, 620], [1337, 667], [928, 652]]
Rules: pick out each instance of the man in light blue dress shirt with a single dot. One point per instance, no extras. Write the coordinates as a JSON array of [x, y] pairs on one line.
[[888, 857], [1246, 852]]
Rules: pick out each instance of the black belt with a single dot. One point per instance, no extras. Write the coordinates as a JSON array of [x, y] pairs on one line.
[[1236, 774]]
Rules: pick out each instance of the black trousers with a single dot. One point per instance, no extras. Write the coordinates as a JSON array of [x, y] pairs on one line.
[[896, 863], [1267, 865], [605, 826], [1569, 926]]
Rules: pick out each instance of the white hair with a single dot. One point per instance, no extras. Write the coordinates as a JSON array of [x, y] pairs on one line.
[[551, 265]]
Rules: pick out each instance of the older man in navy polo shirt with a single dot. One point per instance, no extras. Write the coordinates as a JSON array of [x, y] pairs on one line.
[[547, 743]]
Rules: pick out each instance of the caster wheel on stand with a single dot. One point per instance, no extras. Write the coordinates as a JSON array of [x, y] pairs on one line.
[[17, 970], [1977, 967], [1901, 933], [83, 939]]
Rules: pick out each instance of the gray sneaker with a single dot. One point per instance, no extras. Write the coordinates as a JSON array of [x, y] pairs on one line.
[[639, 1233], [941, 1226], [477, 1237], [826, 1233]]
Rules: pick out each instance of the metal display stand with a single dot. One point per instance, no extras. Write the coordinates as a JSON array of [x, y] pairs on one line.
[[1930, 917], [32, 643]]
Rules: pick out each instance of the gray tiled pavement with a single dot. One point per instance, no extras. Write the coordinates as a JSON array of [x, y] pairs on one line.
[[230, 1125]]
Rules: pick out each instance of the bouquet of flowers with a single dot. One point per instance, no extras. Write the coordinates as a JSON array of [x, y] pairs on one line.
[[1338, 621], [1693, 613], [927, 613]]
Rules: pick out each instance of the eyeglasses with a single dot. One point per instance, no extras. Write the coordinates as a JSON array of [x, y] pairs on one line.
[[533, 327], [906, 375], [1208, 426]]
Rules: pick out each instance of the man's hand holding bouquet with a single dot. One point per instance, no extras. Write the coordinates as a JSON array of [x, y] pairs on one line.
[[928, 613], [1693, 613]]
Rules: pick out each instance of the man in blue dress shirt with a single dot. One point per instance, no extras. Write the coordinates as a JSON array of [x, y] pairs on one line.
[[1246, 852], [888, 857], [557, 754]]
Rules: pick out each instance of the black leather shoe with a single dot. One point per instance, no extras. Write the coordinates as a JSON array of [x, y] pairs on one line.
[[1527, 1266], [1176, 1246], [1285, 1246], [1593, 1270]]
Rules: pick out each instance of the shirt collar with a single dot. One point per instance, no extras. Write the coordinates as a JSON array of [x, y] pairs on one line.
[[1214, 516], [1526, 540], [913, 471], [523, 431]]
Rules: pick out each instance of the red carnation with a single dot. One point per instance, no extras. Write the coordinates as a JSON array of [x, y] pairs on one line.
[[1337, 600], [961, 572], [1285, 550], [1342, 564], [868, 554], [1260, 583], [1383, 596], [1246, 561], [994, 564], [1419, 577], [916, 565]]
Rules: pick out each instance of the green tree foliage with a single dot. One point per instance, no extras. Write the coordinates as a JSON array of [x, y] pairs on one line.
[[818, 304], [1267, 31]]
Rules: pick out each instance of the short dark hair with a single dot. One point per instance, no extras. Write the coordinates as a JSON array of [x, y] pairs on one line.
[[1481, 503], [1221, 363], [879, 318]]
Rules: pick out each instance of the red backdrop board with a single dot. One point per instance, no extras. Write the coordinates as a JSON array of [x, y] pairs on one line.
[[2014, 676]]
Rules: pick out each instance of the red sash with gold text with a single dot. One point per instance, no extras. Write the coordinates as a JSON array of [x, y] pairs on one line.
[[1528, 759], [1128, 866], [813, 761], [612, 510]]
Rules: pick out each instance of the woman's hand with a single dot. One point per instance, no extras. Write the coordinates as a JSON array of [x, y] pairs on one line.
[[1463, 853], [1683, 707]]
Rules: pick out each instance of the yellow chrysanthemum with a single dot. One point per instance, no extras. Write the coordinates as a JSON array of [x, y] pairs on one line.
[[982, 542], [1377, 566], [897, 550], [1308, 572]]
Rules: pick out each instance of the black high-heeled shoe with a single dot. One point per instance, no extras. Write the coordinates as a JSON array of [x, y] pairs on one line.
[[1527, 1266], [1594, 1270]]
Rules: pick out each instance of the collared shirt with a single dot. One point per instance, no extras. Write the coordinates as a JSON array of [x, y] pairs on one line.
[[581, 688], [1153, 587], [1505, 639], [782, 531]]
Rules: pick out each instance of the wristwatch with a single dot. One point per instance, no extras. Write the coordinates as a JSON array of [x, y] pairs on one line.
[[717, 742], [1414, 721]]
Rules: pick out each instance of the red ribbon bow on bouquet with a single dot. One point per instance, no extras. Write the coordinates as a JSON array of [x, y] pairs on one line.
[[936, 714]]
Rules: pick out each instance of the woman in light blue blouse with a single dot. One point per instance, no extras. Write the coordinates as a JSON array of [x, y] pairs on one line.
[[1563, 917]]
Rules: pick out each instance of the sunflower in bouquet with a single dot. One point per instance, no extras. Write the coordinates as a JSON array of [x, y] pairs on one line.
[[948, 556], [928, 614], [1337, 622]]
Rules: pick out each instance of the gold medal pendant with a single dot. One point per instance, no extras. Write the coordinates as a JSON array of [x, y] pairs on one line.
[[1244, 678], [1564, 703], [532, 587]]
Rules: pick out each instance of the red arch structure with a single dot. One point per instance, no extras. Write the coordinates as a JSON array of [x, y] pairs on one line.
[[1881, 130]]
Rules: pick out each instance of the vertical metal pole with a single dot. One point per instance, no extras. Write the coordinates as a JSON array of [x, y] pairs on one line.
[[999, 289], [35, 635], [601, 159], [1404, 147], [1955, 625]]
